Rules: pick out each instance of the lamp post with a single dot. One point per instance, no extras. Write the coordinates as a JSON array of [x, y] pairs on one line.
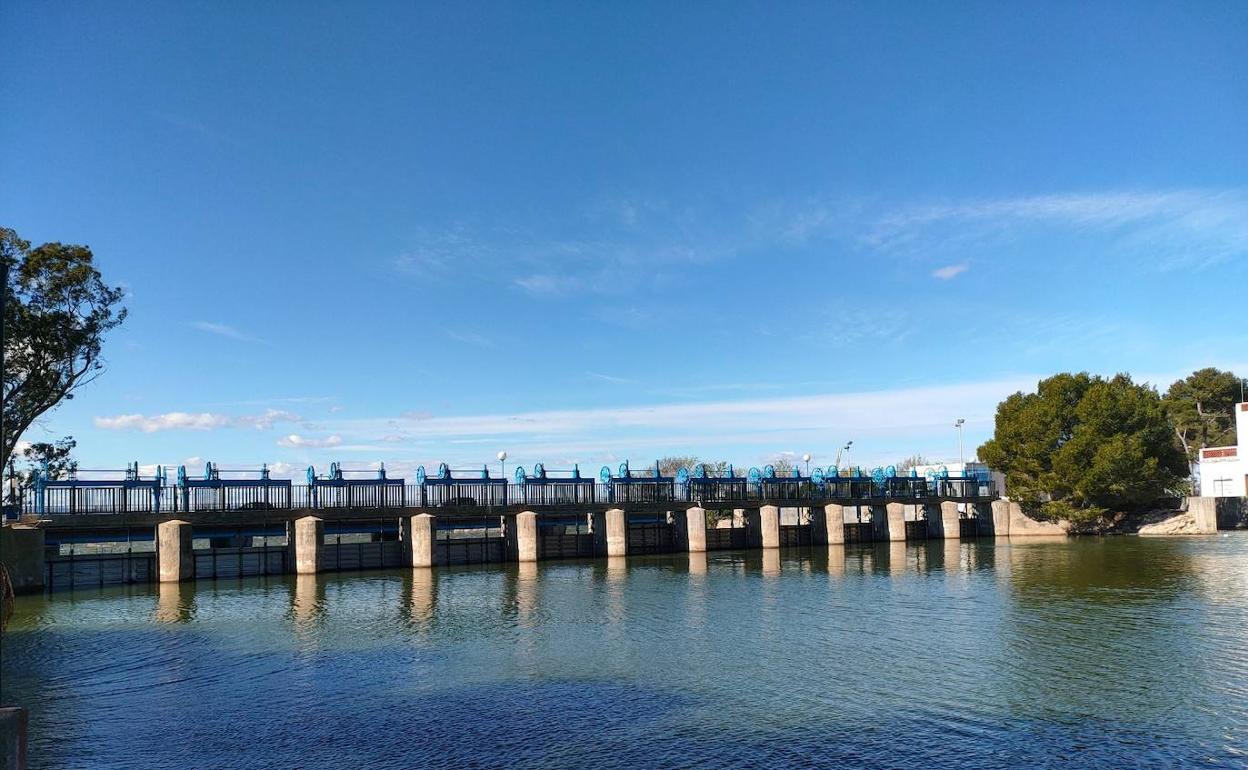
[[806, 458], [848, 444], [961, 461], [502, 463]]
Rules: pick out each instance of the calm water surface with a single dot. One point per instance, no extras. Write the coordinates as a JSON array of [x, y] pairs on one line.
[[1111, 653]]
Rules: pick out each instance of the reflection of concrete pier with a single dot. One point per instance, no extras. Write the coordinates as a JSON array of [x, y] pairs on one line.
[[175, 603]]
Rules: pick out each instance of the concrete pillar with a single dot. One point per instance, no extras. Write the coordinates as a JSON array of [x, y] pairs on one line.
[[175, 555], [828, 524], [422, 534], [526, 537], [896, 517], [950, 520], [769, 526], [1204, 511], [309, 533], [1001, 518], [21, 552], [14, 722], [611, 532], [691, 529]]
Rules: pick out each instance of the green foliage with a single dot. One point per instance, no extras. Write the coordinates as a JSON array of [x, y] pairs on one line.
[[55, 456], [1082, 445], [1201, 407], [56, 312]]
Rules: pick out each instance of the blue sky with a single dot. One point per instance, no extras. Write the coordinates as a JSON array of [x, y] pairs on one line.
[[590, 232]]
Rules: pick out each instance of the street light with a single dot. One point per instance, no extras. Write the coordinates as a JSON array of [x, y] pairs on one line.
[[502, 463], [806, 457], [848, 444], [961, 461]]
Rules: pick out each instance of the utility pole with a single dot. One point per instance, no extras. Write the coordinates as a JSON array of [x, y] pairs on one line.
[[961, 458]]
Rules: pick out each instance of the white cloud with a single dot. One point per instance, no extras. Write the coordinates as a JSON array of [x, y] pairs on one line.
[[167, 421], [194, 421], [950, 271], [224, 330], [295, 441]]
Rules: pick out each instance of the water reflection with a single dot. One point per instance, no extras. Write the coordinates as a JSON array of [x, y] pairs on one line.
[[981, 654], [307, 601], [175, 603], [422, 596]]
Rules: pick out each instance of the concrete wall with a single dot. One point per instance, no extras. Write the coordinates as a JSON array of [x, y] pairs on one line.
[[1204, 511], [21, 552], [1008, 520]]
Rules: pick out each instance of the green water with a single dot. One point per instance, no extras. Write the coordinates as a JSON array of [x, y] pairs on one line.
[[1121, 652]]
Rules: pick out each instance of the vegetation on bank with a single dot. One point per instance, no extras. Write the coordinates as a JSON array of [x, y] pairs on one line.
[[57, 309], [1082, 446]]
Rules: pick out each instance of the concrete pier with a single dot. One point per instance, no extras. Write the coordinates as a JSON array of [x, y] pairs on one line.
[[526, 537], [828, 524], [691, 529], [895, 518], [175, 554], [422, 535], [309, 534], [14, 723], [769, 526], [610, 532], [21, 552], [950, 521]]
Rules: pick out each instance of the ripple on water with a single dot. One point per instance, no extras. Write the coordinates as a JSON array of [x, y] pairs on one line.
[[1105, 653]]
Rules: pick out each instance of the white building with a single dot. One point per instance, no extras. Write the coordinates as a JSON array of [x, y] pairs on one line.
[[963, 470], [1224, 469]]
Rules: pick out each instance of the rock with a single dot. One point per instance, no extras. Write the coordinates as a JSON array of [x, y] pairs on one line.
[[1179, 524]]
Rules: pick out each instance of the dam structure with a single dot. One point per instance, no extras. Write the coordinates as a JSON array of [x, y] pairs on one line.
[[107, 528]]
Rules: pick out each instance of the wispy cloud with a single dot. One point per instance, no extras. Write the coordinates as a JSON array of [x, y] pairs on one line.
[[295, 441], [470, 338], [951, 271], [224, 330], [608, 378], [1178, 228], [194, 421], [547, 285]]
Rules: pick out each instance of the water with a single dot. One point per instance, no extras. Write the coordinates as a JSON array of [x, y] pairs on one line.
[[1111, 653]]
